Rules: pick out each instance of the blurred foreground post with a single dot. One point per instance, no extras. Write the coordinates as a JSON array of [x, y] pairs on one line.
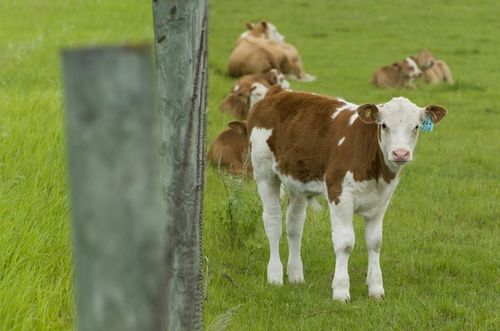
[[181, 58], [118, 222]]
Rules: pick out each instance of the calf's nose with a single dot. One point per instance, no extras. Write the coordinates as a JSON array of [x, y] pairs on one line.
[[401, 154]]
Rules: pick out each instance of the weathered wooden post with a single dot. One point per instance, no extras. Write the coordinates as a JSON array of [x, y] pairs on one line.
[[118, 221], [181, 53]]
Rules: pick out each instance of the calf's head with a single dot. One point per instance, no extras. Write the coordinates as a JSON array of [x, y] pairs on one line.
[[277, 77], [408, 68], [398, 123], [424, 59], [265, 30]]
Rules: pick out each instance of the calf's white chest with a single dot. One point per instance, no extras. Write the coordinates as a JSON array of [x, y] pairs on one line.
[[368, 196]]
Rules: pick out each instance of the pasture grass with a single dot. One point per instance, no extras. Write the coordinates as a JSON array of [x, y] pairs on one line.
[[440, 254]]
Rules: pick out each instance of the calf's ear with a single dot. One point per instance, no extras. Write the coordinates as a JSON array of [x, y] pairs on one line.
[[249, 25], [264, 25], [435, 112], [238, 126], [368, 113]]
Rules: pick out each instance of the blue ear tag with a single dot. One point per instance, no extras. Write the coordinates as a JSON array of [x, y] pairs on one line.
[[427, 125]]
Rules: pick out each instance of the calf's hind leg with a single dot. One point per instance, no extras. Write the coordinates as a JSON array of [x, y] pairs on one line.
[[269, 192], [295, 218]]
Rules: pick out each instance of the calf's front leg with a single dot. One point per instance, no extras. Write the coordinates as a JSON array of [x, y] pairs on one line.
[[343, 243], [373, 237]]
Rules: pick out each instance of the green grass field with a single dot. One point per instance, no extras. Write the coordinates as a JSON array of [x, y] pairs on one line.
[[440, 255]]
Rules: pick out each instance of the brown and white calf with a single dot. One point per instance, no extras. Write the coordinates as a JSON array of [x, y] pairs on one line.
[[229, 151], [239, 102], [248, 90], [397, 75], [262, 48], [350, 154], [268, 79], [434, 71]]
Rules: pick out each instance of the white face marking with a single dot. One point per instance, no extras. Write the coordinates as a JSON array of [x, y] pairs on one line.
[[415, 70], [341, 140], [258, 93], [401, 119], [236, 88], [273, 34]]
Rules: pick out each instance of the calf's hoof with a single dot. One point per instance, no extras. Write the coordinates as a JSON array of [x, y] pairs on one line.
[[275, 275], [295, 274], [341, 296], [376, 293]]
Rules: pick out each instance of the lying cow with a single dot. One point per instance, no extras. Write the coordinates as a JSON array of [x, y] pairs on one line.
[[229, 151], [246, 92], [350, 154], [267, 79], [397, 75], [262, 48], [239, 102], [434, 71]]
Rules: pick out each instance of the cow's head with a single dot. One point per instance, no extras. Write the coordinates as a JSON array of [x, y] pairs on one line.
[[398, 123], [263, 29], [424, 59], [408, 68], [237, 102], [277, 77]]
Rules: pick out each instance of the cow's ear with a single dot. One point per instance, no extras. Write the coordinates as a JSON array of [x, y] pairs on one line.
[[249, 25], [436, 113], [238, 126], [264, 25], [397, 66], [368, 113]]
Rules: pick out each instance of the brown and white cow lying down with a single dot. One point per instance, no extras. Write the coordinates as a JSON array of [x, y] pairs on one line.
[[350, 154], [397, 75], [239, 102], [229, 151], [262, 48], [249, 89], [434, 71]]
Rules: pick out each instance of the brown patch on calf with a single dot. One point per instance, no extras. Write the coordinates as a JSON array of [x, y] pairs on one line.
[[305, 139], [274, 89], [229, 150]]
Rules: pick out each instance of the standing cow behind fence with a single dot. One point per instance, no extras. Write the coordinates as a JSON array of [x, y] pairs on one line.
[[352, 155]]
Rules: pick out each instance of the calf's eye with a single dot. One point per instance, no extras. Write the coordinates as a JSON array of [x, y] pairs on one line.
[[384, 126]]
